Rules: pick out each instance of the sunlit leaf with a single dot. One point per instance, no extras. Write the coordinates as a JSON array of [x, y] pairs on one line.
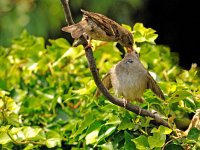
[[92, 132], [92, 137], [126, 27], [108, 132], [141, 142], [159, 137], [52, 139], [107, 146], [1, 103], [31, 132], [179, 95], [4, 138]]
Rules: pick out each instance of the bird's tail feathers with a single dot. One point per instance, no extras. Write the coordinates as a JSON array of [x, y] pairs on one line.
[[76, 30], [106, 82]]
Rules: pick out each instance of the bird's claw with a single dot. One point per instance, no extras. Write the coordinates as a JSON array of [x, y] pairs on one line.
[[88, 46], [125, 102]]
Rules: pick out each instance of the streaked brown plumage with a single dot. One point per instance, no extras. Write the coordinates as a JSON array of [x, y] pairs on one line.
[[129, 79], [100, 27]]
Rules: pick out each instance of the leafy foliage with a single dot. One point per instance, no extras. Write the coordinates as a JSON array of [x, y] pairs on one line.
[[47, 97]]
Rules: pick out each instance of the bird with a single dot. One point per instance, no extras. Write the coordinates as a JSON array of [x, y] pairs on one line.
[[99, 27], [129, 79]]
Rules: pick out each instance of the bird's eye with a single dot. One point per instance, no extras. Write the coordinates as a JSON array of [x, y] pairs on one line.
[[129, 61], [138, 54]]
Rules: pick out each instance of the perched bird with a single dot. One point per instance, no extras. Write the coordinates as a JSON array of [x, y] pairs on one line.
[[129, 79], [100, 27]]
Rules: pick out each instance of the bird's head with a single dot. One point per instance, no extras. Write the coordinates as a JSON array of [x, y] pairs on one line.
[[126, 40]]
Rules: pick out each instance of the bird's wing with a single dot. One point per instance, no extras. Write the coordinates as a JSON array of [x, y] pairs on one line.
[[76, 30], [109, 26], [151, 84], [106, 82]]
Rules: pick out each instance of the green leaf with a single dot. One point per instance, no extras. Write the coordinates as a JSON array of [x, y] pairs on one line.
[[126, 27], [4, 138], [139, 27], [108, 132], [165, 130], [113, 120], [129, 144], [159, 136], [11, 105], [157, 140], [88, 120], [126, 122], [162, 130], [52, 139], [91, 138], [1, 103], [179, 95], [143, 34], [189, 102], [4, 128], [141, 142], [151, 38], [30, 132], [194, 134], [138, 37], [61, 42], [106, 146], [13, 119], [92, 132]]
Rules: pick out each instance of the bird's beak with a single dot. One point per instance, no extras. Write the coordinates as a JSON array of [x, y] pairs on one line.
[[129, 49]]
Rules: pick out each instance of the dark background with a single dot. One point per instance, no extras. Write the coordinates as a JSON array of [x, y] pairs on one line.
[[178, 25]]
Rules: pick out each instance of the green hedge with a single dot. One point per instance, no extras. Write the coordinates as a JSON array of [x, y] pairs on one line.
[[47, 97]]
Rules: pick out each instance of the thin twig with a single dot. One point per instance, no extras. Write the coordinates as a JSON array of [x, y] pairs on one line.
[[68, 15], [95, 74]]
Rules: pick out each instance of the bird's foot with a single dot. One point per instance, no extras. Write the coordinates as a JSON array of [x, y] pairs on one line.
[[125, 102], [88, 46], [139, 110], [89, 43]]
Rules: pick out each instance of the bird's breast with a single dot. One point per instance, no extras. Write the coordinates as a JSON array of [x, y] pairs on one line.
[[128, 83]]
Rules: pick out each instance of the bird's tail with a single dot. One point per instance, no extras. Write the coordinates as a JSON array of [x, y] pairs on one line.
[[76, 30], [106, 82]]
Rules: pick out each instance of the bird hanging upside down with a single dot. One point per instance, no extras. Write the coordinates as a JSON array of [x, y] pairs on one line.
[[129, 79], [100, 27]]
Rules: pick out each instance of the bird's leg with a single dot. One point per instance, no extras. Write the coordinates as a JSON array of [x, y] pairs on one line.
[[125, 102], [139, 111], [89, 43]]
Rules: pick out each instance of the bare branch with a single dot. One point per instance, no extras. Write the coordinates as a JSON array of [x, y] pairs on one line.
[[68, 14], [95, 74]]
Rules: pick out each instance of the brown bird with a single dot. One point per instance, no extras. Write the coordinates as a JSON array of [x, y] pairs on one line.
[[129, 79], [100, 27]]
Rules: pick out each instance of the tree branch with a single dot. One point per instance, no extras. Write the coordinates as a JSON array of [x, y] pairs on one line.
[[95, 74], [67, 11]]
